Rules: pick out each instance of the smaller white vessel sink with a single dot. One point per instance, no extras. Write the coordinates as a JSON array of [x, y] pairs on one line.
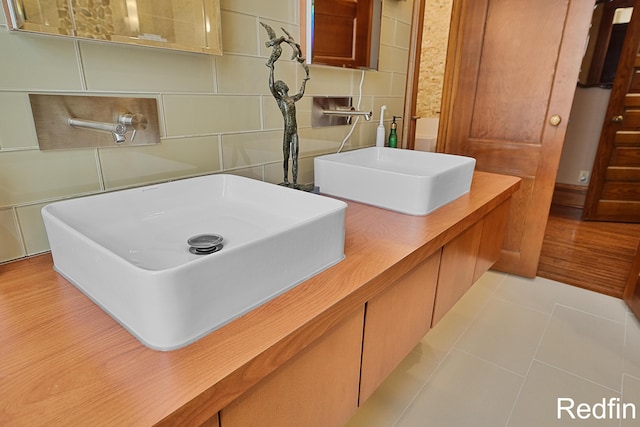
[[407, 181], [174, 261]]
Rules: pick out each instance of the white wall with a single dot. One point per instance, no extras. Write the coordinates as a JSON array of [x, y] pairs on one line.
[[583, 134]]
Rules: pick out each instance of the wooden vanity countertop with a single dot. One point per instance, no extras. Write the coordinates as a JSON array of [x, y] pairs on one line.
[[64, 361]]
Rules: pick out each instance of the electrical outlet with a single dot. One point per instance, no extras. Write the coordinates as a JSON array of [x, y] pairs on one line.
[[584, 177]]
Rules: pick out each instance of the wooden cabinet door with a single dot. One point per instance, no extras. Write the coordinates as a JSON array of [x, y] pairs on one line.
[[319, 387], [512, 68], [457, 268], [342, 32], [614, 190], [396, 320], [493, 228]]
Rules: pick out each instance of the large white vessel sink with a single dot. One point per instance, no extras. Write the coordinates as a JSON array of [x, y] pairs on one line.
[[128, 251], [407, 181]]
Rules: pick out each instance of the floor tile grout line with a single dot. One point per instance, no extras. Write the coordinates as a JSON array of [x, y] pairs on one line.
[[635, 377], [623, 357], [577, 376], [533, 358], [453, 346], [625, 360], [539, 310], [624, 353], [475, 356], [415, 395], [525, 307], [590, 313], [621, 396]]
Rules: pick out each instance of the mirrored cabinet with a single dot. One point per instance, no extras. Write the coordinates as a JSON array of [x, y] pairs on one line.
[[342, 33], [188, 25]]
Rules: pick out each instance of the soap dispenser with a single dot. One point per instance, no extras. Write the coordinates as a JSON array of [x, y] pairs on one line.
[[393, 136]]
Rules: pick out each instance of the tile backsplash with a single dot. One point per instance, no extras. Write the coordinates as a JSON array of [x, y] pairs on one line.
[[216, 112]]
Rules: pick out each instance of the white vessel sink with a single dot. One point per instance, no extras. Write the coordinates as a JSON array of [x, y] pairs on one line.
[[407, 181], [128, 251]]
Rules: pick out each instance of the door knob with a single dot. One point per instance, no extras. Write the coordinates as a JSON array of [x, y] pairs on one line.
[[617, 119], [555, 120]]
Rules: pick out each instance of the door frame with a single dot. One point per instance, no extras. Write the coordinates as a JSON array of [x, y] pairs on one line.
[[413, 75], [450, 74]]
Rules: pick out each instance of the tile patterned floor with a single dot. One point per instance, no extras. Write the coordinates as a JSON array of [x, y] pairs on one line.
[[507, 352]]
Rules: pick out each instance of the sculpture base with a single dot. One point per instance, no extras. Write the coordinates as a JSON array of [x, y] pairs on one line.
[[301, 187]]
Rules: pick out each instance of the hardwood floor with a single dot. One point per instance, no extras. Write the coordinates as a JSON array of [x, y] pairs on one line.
[[589, 254]]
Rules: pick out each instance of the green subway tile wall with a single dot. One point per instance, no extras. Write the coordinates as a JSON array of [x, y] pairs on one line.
[[216, 112]]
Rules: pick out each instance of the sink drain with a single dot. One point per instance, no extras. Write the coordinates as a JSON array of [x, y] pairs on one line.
[[205, 244]]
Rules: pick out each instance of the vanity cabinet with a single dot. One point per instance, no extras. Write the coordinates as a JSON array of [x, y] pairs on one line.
[[457, 270], [396, 320], [318, 387], [212, 422], [467, 257], [326, 383], [301, 359], [494, 226]]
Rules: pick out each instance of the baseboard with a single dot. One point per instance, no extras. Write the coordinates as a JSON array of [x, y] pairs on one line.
[[569, 195]]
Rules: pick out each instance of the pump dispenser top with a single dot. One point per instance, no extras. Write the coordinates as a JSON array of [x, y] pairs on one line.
[[393, 136]]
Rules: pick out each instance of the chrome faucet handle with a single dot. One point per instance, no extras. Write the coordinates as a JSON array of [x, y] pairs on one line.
[[119, 133], [135, 122]]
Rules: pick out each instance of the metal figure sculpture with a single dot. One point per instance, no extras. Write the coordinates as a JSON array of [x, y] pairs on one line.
[[286, 102]]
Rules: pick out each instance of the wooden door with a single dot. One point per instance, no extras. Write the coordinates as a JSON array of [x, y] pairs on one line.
[[511, 75], [345, 29], [614, 190]]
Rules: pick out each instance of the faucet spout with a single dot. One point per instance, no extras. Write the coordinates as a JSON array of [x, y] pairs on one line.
[[348, 112], [118, 130]]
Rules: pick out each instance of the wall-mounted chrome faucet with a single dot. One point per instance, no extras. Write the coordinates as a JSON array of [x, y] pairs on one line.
[[348, 112], [126, 122], [118, 130], [334, 111], [62, 121]]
